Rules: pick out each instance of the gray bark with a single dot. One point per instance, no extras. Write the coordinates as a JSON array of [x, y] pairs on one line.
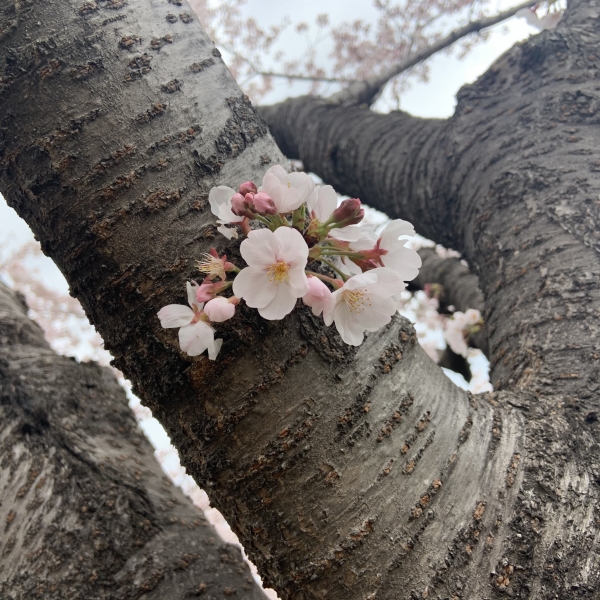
[[86, 511], [348, 474]]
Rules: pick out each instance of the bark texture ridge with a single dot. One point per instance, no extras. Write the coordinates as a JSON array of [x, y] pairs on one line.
[[348, 473], [86, 511]]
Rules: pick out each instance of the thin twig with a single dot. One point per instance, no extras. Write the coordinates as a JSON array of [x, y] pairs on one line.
[[364, 92], [305, 77]]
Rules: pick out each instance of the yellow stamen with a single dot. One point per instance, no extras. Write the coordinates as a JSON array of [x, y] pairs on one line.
[[356, 300], [277, 272], [211, 265]]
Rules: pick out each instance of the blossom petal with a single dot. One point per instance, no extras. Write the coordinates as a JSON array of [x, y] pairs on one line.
[[379, 313], [367, 240], [361, 281], [395, 229], [194, 339], [324, 202], [228, 232], [255, 287], [329, 308], [389, 282], [214, 348], [175, 315], [318, 296], [276, 171], [218, 196], [282, 304], [271, 183], [350, 233], [350, 330], [345, 265], [226, 214], [260, 249], [192, 295], [297, 279], [289, 199], [405, 261], [291, 247]]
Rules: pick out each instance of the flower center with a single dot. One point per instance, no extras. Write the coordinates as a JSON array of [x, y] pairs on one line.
[[211, 266], [356, 300], [277, 272], [199, 316]]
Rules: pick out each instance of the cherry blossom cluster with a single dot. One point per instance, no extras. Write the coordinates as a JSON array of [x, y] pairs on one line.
[[299, 244], [459, 326]]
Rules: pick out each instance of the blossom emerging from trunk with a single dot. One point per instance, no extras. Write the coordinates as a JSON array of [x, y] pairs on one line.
[[288, 190], [195, 334], [364, 303], [274, 278]]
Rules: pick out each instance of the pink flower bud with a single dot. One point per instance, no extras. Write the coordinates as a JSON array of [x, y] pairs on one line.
[[248, 187], [219, 309], [208, 290], [318, 295], [263, 204], [349, 212], [238, 206]]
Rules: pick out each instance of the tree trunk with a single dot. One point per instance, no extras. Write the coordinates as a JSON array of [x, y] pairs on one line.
[[346, 473], [86, 511]]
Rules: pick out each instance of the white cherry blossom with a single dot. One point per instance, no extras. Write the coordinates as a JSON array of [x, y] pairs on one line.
[[390, 251], [287, 190], [395, 254], [195, 335], [364, 303], [274, 278]]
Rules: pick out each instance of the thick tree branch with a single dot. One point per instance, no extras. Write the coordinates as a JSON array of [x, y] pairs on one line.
[[347, 473], [394, 162], [86, 510], [365, 92]]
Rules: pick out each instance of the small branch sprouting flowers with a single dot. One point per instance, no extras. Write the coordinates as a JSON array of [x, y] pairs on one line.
[[297, 226]]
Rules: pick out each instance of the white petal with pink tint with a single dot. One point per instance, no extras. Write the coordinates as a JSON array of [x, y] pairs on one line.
[[274, 277], [219, 309], [288, 190], [228, 232], [364, 303], [175, 315], [194, 339], [322, 202], [318, 295], [220, 204]]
